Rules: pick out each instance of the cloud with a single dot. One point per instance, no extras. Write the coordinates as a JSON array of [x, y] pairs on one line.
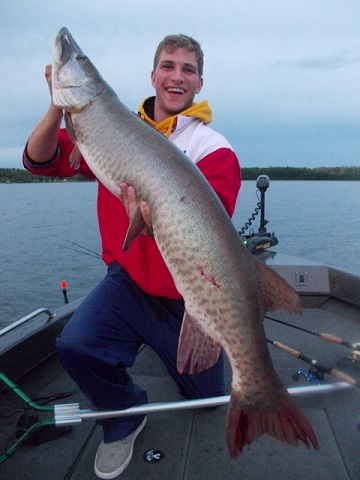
[[271, 69], [335, 60]]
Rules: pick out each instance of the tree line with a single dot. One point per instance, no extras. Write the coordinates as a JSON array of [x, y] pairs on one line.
[[296, 173], [18, 175]]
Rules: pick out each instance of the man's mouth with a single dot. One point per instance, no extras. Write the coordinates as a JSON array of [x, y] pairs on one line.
[[177, 91]]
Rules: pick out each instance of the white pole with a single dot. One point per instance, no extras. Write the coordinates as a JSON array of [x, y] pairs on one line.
[[68, 414]]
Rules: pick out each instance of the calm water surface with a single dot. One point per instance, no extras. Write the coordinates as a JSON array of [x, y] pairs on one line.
[[317, 220]]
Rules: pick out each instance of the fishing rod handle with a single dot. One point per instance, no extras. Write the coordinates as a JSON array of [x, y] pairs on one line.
[[286, 349], [335, 339], [343, 377]]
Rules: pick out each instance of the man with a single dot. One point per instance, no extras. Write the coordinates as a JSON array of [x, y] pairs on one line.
[[137, 302]]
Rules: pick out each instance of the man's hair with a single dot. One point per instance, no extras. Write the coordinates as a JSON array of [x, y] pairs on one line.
[[173, 42]]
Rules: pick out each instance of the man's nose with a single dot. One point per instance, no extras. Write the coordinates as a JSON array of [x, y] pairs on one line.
[[177, 75]]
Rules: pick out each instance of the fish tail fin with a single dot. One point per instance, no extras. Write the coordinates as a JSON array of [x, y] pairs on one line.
[[286, 424]]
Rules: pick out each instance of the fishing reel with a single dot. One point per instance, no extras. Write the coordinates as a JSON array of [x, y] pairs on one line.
[[353, 357], [259, 241], [313, 375], [355, 352]]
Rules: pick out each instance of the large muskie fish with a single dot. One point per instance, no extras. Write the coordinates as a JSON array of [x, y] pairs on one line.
[[225, 289]]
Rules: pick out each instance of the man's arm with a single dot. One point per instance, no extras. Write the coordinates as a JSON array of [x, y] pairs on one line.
[[42, 143]]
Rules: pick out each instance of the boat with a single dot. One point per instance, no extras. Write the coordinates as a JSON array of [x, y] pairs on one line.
[[48, 428]]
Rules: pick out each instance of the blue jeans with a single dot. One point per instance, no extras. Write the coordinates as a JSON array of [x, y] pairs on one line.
[[103, 337]]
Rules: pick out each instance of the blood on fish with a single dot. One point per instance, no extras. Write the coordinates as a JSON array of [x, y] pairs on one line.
[[185, 200], [209, 278]]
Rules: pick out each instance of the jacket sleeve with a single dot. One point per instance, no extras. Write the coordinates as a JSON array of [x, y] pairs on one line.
[[221, 168], [59, 164]]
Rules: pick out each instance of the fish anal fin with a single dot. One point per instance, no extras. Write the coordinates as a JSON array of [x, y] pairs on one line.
[[286, 424], [137, 227], [197, 351], [277, 293]]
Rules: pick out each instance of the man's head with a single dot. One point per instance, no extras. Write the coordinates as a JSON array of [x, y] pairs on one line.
[[177, 75], [173, 42]]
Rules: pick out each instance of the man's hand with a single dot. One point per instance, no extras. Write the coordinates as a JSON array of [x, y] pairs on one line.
[[48, 73], [48, 77], [130, 201]]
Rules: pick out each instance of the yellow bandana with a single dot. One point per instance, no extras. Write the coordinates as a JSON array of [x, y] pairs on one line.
[[201, 111]]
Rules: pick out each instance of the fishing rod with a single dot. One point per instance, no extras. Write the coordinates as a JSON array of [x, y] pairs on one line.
[[355, 346], [88, 251], [96, 254], [70, 414], [319, 369]]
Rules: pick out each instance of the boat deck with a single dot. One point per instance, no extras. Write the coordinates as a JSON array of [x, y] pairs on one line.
[[193, 441]]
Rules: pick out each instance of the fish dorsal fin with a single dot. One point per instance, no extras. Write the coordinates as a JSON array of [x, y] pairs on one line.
[[197, 351], [276, 292], [137, 227]]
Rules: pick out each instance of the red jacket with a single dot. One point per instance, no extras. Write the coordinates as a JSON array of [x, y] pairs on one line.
[[144, 262]]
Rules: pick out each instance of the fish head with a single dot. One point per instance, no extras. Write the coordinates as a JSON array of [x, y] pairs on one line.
[[75, 80]]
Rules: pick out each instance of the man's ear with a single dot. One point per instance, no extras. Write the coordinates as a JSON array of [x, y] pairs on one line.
[[200, 85]]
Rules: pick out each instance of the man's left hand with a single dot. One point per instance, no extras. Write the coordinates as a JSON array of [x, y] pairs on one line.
[[130, 200]]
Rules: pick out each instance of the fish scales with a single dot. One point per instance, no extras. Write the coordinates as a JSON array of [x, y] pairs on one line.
[[226, 291]]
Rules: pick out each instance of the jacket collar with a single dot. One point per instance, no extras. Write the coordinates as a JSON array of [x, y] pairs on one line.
[[200, 111]]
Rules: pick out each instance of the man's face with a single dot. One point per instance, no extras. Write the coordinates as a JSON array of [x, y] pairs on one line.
[[176, 81]]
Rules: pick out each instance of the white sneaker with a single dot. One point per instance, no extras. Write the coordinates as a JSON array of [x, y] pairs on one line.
[[112, 458]]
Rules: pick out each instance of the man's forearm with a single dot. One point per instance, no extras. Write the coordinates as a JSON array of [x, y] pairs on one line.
[[43, 139]]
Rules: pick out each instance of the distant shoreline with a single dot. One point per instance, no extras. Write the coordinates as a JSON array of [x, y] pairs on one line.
[[18, 175]]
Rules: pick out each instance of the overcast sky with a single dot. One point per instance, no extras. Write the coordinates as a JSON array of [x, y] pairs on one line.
[[281, 76]]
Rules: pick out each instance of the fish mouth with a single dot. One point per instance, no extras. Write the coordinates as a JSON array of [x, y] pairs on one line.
[[66, 53], [65, 46]]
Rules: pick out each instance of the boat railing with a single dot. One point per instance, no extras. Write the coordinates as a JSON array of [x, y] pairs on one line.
[[27, 318]]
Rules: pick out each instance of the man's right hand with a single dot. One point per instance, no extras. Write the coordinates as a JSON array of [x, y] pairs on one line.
[[42, 143], [48, 76]]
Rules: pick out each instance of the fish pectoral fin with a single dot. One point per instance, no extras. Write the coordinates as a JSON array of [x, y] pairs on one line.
[[69, 127], [137, 227], [75, 155], [75, 158], [197, 351], [276, 292]]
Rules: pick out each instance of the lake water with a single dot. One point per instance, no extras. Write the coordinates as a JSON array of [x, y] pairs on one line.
[[317, 220]]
